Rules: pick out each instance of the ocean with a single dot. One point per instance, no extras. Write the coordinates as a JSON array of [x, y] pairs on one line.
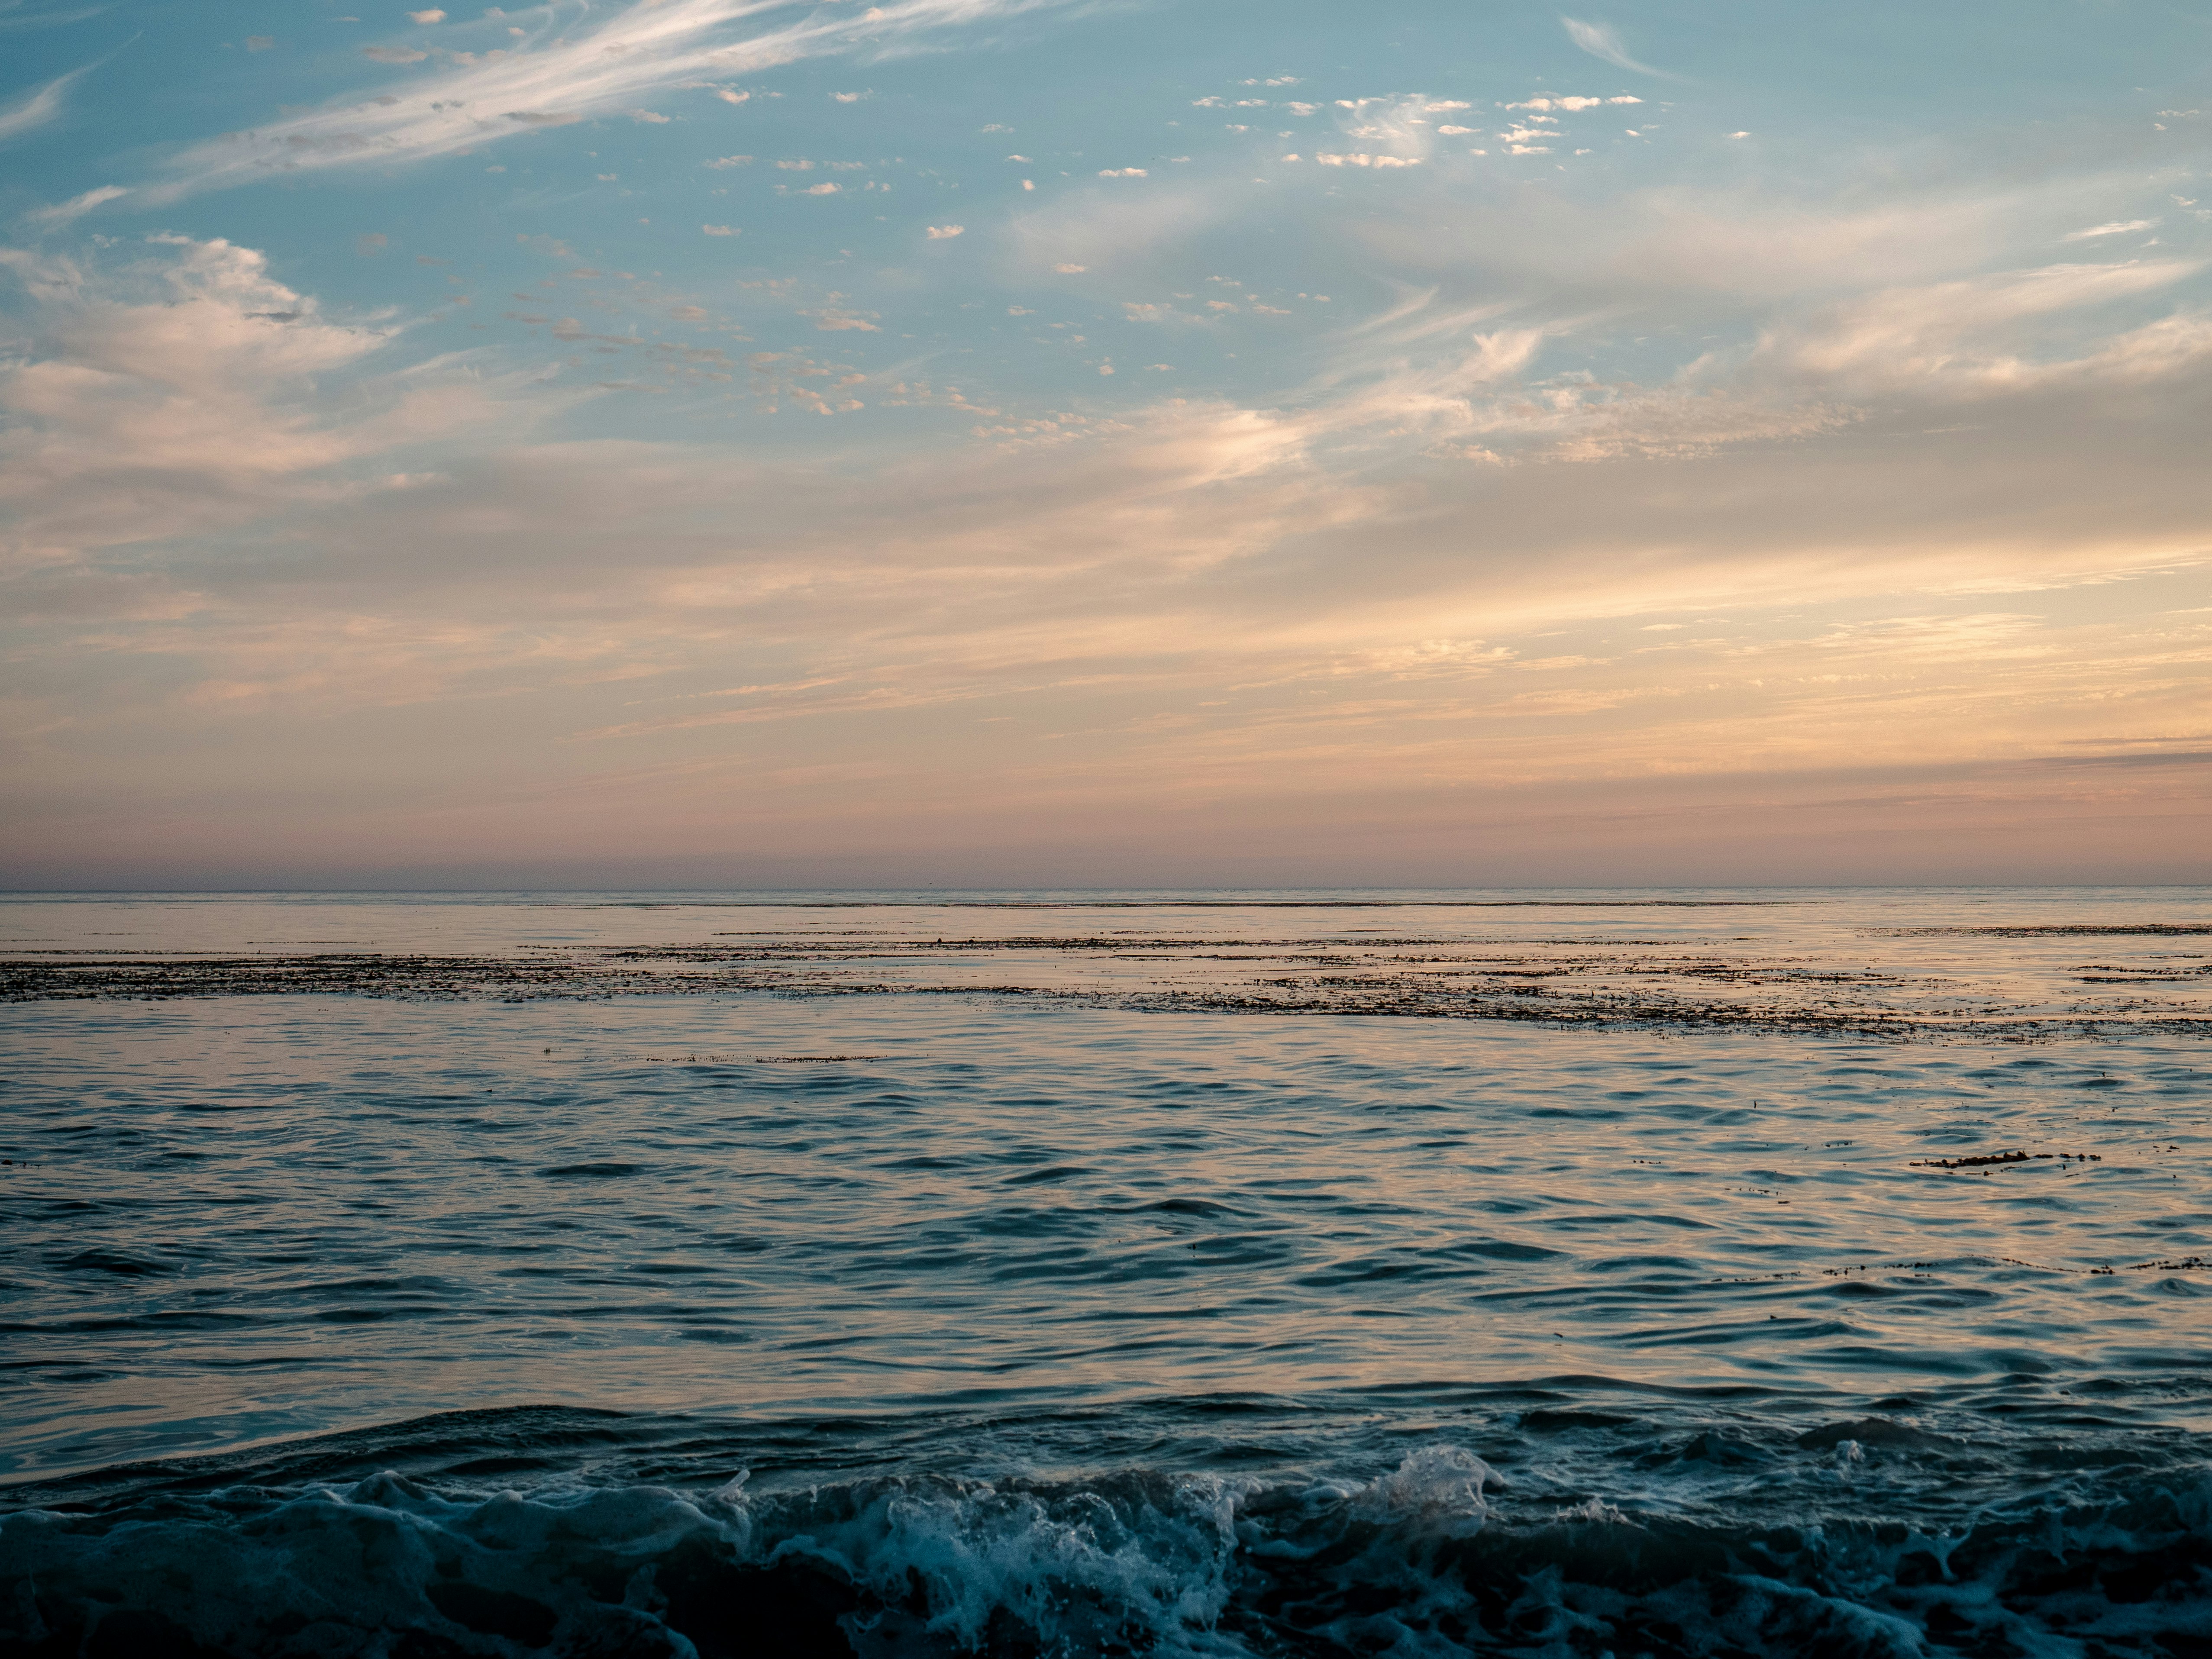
[[1713, 1272]]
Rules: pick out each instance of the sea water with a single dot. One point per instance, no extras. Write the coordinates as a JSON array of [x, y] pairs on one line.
[[1709, 1274]]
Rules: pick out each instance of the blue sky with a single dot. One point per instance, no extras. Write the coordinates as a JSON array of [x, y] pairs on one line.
[[701, 441]]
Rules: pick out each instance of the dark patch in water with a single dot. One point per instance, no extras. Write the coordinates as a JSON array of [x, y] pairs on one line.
[[601, 1171], [111, 1261]]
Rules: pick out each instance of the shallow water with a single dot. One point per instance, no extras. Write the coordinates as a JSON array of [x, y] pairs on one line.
[[1111, 1321]]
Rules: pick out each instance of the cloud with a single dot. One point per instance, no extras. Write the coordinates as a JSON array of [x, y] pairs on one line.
[[46, 18], [1396, 589], [1601, 40], [187, 392], [76, 205], [37, 107], [640, 48], [2116, 228], [426, 16], [1978, 337], [721, 230], [1573, 103], [1633, 247], [944, 233], [1390, 132]]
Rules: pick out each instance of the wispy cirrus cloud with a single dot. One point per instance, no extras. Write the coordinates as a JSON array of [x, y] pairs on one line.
[[1603, 40], [15, 17], [38, 106], [62, 212], [605, 69]]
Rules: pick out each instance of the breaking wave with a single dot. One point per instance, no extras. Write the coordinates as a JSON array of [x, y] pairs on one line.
[[1430, 1558]]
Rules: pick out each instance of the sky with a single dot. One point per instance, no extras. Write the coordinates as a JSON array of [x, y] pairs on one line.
[[989, 443]]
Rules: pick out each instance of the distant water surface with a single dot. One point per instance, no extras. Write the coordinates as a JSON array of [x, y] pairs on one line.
[[1572, 1273]]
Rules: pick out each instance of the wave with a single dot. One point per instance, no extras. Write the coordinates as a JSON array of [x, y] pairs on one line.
[[1425, 1559]]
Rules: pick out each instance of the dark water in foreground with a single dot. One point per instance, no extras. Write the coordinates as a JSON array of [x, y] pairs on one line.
[[948, 1317]]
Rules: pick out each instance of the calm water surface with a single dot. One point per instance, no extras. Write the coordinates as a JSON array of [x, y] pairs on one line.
[[962, 1290]]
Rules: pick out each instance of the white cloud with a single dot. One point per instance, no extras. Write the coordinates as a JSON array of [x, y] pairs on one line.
[[1601, 40], [944, 233], [1123, 172], [721, 230], [649, 118], [729, 162], [1573, 103], [426, 17], [190, 391], [1071, 271]]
